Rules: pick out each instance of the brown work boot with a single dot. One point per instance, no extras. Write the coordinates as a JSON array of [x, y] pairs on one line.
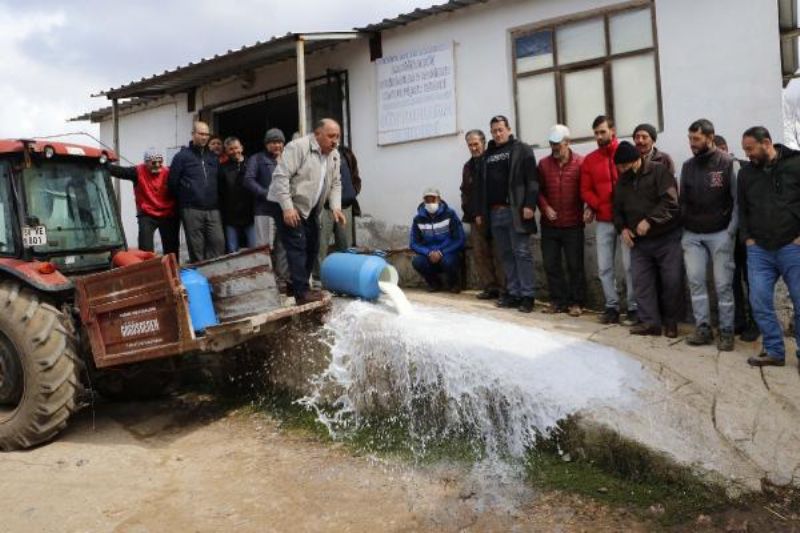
[[671, 330], [575, 310], [764, 359], [310, 296], [644, 329]]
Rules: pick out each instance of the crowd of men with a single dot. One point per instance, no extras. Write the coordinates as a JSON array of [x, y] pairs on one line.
[[282, 197], [737, 220]]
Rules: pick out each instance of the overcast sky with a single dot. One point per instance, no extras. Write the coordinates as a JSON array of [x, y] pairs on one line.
[[57, 53]]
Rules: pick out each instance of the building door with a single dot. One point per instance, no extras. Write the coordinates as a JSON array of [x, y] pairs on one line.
[[250, 119]]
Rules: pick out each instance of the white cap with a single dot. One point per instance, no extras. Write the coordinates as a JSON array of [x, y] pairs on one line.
[[558, 133], [432, 191]]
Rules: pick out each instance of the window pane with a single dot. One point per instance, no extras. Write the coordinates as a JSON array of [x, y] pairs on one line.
[[631, 30], [534, 51], [536, 101], [6, 212], [585, 98], [635, 94], [580, 41]]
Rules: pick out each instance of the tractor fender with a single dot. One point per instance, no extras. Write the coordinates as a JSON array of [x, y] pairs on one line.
[[36, 274]]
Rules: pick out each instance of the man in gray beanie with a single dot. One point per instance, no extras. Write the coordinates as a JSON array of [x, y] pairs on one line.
[[644, 137], [257, 179]]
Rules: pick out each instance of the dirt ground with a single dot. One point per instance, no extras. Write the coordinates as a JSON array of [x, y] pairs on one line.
[[186, 464]]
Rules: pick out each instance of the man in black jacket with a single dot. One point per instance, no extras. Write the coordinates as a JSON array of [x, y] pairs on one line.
[[769, 223], [708, 212], [236, 202], [506, 196], [193, 181], [646, 214]]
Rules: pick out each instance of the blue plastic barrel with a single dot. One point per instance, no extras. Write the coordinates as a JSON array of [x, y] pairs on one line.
[[201, 308], [356, 275]]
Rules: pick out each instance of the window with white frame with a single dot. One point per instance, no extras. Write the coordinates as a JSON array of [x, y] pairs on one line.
[[570, 71]]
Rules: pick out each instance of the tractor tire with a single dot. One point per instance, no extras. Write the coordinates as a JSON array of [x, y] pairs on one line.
[[35, 338]]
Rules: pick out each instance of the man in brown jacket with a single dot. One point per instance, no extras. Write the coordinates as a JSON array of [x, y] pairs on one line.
[[487, 267]]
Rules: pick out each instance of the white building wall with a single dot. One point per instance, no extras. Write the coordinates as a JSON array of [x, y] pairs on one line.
[[719, 59]]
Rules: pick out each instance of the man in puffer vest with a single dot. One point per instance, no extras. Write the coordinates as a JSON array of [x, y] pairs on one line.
[[155, 205], [437, 237]]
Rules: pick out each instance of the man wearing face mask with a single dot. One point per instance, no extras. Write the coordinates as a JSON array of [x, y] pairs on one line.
[[307, 176], [155, 206], [644, 137], [709, 215], [646, 214], [769, 223], [562, 224], [437, 237]]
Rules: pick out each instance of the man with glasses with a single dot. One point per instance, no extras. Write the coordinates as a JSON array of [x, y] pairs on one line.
[[155, 205], [193, 181]]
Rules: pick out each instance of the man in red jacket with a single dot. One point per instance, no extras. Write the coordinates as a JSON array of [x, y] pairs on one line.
[[155, 205], [562, 223], [598, 179]]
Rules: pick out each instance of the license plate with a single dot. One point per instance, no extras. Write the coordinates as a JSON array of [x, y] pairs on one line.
[[34, 236]]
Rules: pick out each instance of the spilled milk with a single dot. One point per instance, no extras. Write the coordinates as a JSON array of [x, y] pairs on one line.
[[445, 374]]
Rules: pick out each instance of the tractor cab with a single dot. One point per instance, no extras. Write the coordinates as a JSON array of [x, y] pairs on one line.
[[57, 205]]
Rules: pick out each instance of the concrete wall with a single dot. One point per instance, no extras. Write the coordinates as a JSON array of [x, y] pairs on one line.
[[719, 59]]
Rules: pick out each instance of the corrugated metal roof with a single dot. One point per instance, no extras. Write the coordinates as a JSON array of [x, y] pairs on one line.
[[228, 64], [419, 14], [99, 115]]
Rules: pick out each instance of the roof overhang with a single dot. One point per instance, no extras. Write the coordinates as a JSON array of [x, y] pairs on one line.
[[419, 14], [234, 62], [787, 20]]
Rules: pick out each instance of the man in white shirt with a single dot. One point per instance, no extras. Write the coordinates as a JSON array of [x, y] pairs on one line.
[[306, 178]]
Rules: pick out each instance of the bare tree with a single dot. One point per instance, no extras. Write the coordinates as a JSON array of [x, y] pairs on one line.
[[791, 120]]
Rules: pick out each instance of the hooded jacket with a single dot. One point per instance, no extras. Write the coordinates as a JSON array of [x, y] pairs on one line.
[[769, 200], [598, 179], [236, 202], [441, 231], [150, 191], [193, 177], [650, 193], [523, 184], [257, 179]]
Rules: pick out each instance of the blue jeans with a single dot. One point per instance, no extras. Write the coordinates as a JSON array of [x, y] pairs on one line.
[[448, 266], [514, 249], [763, 269], [698, 248], [232, 234], [608, 241]]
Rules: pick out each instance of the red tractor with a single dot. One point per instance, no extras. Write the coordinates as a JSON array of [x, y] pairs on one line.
[[70, 320]]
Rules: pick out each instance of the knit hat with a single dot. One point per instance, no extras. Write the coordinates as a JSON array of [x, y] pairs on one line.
[[274, 135], [432, 191], [649, 128], [626, 153], [152, 153]]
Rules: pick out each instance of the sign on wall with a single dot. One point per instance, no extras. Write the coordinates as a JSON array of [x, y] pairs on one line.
[[416, 95]]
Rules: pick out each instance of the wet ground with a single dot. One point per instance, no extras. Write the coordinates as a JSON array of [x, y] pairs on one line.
[[185, 464]]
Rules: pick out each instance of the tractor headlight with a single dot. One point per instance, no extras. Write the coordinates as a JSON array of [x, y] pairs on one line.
[[49, 151], [103, 158]]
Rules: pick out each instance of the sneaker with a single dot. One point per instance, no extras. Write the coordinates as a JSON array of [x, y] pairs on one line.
[[631, 318], [644, 329], [526, 304], [671, 331], [488, 294], [725, 342], [508, 301], [750, 333], [554, 309], [575, 310], [702, 335], [764, 359], [610, 316]]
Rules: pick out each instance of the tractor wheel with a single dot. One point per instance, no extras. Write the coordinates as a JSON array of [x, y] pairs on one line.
[[138, 381], [39, 381]]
